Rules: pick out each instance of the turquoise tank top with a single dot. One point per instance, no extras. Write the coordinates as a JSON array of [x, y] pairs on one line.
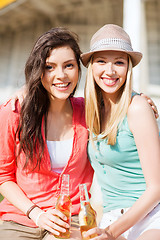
[[118, 169]]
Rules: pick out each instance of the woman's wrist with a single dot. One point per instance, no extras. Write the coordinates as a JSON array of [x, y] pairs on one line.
[[109, 231], [35, 215], [30, 210], [37, 218]]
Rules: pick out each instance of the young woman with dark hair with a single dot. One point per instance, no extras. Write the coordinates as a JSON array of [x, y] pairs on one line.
[[44, 138]]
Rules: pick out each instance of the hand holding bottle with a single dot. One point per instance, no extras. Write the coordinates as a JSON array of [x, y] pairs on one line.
[[52, 220], [57, 221], [103, 234]]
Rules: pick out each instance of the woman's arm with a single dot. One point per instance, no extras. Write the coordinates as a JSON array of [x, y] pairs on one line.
[[14, 194], [144, 127], [145, 130], [49, 220]]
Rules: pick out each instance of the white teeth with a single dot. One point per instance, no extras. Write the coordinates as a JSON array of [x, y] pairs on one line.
[[110, 81], [61, 85]]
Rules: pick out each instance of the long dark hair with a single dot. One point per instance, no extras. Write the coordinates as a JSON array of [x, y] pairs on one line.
[[36, 103]]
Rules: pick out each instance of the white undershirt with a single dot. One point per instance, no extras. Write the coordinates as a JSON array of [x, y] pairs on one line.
[[60, 152]]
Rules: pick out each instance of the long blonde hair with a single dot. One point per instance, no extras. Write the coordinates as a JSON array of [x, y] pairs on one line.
[[93, 107]]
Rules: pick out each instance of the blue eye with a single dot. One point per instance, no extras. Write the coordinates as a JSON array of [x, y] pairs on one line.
[[119, 62]]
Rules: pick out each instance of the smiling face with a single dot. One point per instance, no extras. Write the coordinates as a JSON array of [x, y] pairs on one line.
[[110, 71], [61, 73]]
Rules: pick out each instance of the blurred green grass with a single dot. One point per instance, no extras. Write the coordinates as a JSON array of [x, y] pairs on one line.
[[1, 197]]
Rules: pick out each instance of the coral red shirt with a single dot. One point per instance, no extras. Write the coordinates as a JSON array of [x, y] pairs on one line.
[[42, 186]]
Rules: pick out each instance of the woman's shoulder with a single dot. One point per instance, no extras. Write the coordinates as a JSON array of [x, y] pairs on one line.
[[138, 105], [139, 112]]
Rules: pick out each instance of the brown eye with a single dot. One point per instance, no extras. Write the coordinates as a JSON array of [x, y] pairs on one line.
[[70, 65], [48, 67]]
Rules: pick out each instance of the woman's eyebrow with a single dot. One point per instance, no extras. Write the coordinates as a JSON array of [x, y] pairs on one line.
[[70, 60]]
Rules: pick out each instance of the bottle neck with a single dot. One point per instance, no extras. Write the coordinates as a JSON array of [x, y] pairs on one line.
[[84, 198], [65, 185]]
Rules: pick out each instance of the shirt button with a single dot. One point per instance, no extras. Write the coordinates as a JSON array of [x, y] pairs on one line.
[[122, 211]]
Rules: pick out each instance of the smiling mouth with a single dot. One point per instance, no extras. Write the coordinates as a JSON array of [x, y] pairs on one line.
[[61, 85], [108, 81]]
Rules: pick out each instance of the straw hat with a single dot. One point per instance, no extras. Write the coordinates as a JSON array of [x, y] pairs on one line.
[[111, 37]]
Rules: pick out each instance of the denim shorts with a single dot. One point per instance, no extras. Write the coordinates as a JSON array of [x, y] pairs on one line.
[[150, 221]]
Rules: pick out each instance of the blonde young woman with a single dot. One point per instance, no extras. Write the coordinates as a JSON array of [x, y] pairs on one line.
[[124, 146]]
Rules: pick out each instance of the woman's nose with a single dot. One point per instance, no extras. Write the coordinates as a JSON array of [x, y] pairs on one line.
[[60, 73], [110, 69]]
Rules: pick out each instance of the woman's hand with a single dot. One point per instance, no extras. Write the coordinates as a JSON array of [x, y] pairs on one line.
[[101, 234], [152, 104], [18, 95], [53, 221]]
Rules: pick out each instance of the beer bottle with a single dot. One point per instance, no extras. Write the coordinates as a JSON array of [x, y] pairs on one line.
[[64, 204], [87, 215]]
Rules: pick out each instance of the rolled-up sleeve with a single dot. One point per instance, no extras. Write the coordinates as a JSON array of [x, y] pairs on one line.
[[8, 124]]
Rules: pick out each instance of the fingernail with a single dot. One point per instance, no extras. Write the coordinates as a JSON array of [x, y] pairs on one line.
[[84, 234]]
